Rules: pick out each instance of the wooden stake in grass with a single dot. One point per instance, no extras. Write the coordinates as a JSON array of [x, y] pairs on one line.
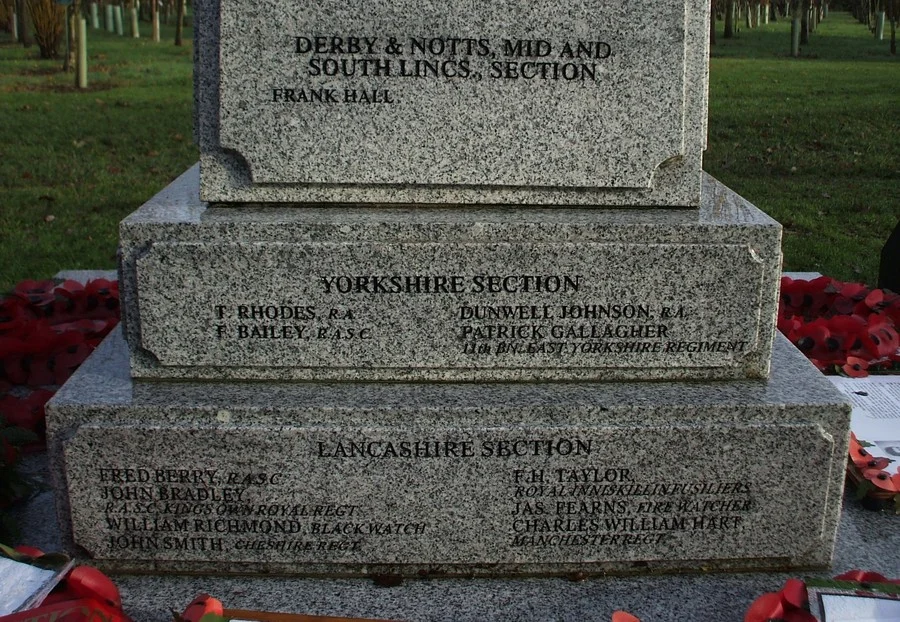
[[81, 81], [135, 29], [120, 28], [95, 17], [110, 26], [154, 19], [15, 26]]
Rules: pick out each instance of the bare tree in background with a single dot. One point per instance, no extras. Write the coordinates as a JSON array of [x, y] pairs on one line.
[[179, 23], [24, 23]]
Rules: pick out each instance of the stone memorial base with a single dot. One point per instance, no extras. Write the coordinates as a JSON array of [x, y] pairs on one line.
[[448, 479], [460, 294]]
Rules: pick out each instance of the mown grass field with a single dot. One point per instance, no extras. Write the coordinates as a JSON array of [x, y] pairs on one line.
[[814, 141], [74, 163]]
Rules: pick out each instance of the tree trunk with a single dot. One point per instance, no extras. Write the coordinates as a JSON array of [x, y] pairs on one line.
[[71, 37], [796, 9], [179, 23], [729, 19], [712, 22], [154, 19], [804, 22], [135, 21], [894, 7], [24, 23]]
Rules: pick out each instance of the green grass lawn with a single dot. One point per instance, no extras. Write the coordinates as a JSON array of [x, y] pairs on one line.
[[74, 163], [812, 141]]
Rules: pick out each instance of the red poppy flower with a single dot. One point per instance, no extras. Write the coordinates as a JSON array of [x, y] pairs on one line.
[[88, 582], [36, 293], [202, 605], [805, 297], [880, 337], [14, 315], [865, 576], [69, 303], [29, 550], [623, 616], [856, 291], [883, 479], [102, 297], [813, 340], [841, 305], [863, 459], [794, 593], [856, 367], [789, 326], [790, 604], [874, 298], [870, 463], [830, 321]]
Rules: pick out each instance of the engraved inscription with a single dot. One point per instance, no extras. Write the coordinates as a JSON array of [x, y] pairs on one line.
[[497, 330], [213, 510], [610, 506], [591, 103], [425, 307], [450, 58], [372, 495]]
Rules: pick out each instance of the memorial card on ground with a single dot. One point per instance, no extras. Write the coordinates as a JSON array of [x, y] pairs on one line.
[[832, 604], [876, 412], [23, 586]]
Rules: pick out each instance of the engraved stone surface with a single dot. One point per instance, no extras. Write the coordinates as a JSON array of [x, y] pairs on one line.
[[447, 478], [449, 294], [509, 102]]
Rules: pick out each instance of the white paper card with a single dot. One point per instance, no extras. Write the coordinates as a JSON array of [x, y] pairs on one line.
[[876, 411], [23, 584]]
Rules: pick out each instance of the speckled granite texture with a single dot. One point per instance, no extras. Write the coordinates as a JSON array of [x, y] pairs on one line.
[[403, 102], [445, 479], [866, 540], [473, 294]]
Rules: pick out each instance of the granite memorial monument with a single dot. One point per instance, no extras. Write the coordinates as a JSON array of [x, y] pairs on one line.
[[449, 294]]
